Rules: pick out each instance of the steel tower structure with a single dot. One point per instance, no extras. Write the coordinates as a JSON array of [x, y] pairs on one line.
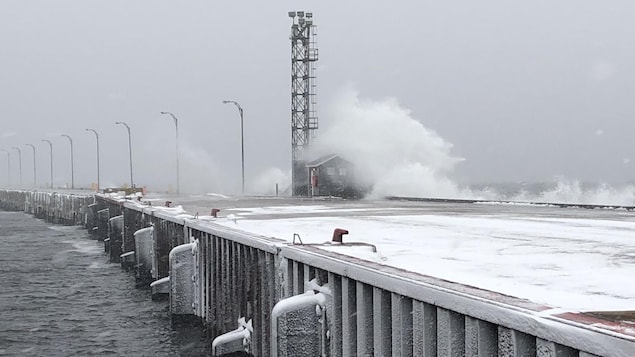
[[304, 119]]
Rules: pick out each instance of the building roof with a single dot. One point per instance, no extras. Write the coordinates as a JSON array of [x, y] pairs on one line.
[[321, 161]]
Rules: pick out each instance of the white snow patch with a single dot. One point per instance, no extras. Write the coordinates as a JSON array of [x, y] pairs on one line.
[[575, 264], [218, 195]]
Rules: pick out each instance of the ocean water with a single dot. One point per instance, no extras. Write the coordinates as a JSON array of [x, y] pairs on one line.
[[59, 296]]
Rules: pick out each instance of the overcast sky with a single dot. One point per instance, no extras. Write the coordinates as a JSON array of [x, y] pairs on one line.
[[517, 91]]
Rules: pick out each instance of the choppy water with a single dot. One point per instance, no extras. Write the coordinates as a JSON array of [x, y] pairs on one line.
[[59, 296]]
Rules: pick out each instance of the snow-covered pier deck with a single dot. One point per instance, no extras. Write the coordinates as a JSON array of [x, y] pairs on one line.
[[493, 276], [410, 278]]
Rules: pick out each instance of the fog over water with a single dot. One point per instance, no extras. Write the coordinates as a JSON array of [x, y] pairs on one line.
[[427, 99]]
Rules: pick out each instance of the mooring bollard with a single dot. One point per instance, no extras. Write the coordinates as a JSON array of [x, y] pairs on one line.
[[337, 235]]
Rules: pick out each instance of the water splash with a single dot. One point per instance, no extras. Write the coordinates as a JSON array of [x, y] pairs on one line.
[[574, 191], [265, 182], [392, 151], [560, 190], [199, 171], [396, 155]]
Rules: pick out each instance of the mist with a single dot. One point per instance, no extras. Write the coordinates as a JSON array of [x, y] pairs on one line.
[[392, 151]]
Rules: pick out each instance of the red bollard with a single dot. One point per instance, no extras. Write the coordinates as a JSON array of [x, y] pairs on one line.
[[215, 212], [337, 235]]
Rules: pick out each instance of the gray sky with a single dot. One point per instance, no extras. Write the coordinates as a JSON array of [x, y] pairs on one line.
[[522, 91]]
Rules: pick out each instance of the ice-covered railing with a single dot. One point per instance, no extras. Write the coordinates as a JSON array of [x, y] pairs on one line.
[[58, 207], [240, 338]]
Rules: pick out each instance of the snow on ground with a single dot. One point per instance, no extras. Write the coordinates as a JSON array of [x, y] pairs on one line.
[[293, 210], [576, 264]]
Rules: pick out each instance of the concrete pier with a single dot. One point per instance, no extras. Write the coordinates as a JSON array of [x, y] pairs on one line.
[[54, 207], [368, 308]]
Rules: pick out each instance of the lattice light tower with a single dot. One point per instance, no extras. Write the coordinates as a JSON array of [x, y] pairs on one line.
[[304, 119]]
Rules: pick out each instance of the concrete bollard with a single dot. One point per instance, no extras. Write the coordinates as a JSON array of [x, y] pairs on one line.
[[182, 275], [143, 256], [102, 224], [115, 236]]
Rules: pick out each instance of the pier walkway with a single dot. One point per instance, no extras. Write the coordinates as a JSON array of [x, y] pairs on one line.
[[410, 278]]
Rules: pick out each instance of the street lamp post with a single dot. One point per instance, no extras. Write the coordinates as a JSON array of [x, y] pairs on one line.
[[176, 126], [129, 150], [34, 172], [51, 147], [96, 137], [242, 140], [20, 160], [72, 161], [8, 167]]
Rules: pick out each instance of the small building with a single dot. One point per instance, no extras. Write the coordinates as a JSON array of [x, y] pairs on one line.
[[333, 176]]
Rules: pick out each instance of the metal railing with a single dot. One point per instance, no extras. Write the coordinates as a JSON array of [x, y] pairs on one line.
[[378, 310]]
